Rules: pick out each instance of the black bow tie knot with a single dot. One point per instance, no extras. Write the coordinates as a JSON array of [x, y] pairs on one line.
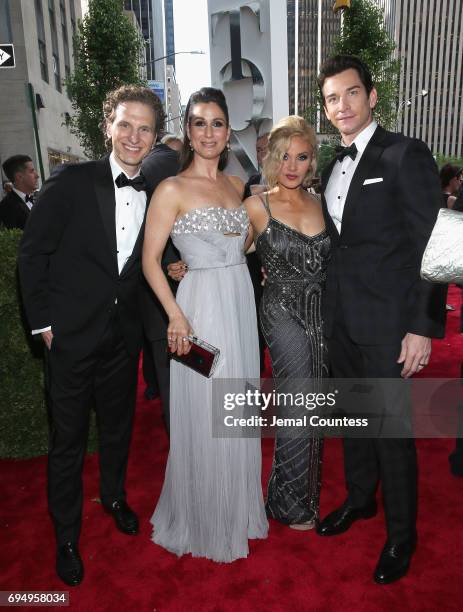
[[29, 198], [138, 183], [342, 152]]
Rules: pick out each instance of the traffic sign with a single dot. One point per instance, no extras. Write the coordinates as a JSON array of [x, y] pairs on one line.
[[7, 56]]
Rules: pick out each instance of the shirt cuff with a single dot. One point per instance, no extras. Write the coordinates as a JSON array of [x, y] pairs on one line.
[[39, 331]]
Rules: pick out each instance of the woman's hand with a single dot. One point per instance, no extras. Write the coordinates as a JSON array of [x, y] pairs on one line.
[[177, 270], [178, 331]]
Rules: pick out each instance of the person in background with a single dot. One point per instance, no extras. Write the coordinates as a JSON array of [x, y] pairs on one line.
[[261, 152], [174, 142], [160, 163], [451, 178], [17, 204], [7, 187]]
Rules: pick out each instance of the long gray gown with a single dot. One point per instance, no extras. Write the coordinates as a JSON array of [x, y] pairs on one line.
[[212, 501], [290, 316]]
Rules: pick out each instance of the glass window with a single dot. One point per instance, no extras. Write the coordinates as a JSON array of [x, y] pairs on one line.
[[5, 22], [41, 40]]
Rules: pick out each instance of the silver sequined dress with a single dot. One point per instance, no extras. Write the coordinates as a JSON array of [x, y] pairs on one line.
[[290, 316], [212, 501]]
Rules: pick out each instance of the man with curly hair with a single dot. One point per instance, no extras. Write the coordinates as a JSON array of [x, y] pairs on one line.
[[80, 273]]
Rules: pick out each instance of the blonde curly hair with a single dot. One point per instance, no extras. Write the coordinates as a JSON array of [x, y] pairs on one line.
[[278, 143]]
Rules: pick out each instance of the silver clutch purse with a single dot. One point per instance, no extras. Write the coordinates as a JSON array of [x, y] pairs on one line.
[[443, 257]]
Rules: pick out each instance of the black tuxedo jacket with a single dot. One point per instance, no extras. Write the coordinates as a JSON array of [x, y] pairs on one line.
[[68, 261], [13, 211], [374, 271], [161, 163]]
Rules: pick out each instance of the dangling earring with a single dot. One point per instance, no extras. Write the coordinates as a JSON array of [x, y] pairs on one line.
[[228, 145], [191, 147]]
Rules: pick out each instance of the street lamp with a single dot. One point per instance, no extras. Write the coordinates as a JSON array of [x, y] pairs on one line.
[[158, 59], [423, 93]]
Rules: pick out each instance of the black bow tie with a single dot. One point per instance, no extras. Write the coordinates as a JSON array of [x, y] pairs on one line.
[[138, 183], [29, 198], [342, 152]]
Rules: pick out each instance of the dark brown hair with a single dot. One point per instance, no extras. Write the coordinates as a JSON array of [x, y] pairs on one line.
[[339, 63], [205, 95], [15, 164], [449, 172]]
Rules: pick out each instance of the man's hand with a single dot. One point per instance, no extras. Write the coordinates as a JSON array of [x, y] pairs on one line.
[[177, 270], [47, 338], [415, 354]]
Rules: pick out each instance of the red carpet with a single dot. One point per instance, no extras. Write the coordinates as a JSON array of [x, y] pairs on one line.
[[288, 571]]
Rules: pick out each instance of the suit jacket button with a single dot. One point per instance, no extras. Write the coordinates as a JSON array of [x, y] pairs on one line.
[[343, 246]]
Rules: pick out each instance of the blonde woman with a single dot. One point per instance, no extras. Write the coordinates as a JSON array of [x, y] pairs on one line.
[[293, 246]]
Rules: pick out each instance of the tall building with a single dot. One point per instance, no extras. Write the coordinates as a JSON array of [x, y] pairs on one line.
[[143, 11], [429, 38], [35, 109], [153, 17], [174, 111], [312, 27], [170, 38]]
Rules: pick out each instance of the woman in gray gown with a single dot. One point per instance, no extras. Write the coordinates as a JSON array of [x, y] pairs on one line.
[[211, 501], [293, 246]]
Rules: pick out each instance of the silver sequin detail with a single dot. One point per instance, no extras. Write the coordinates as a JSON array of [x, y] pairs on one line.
[[213, 219]]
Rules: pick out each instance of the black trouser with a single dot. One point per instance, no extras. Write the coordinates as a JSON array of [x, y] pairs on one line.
[[366, 461], [255, 272], [159, 368], [106, 380]]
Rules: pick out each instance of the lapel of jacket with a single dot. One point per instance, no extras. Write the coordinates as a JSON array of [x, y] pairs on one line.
[[370, 156], [104, 188], [330, 226], [21, 203]]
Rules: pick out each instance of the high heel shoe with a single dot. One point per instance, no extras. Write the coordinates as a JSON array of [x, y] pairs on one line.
[[307, 526]]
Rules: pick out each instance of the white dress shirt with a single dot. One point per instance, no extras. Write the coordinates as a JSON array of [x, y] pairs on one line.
[[23, 197], [129, 212], [341, 176]]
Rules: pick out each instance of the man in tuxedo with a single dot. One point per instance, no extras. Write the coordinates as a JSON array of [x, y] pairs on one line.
[[80, 271], [381, 196], [16, 205], [162, 162]]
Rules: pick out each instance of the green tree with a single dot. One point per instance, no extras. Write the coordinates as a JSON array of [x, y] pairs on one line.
[[441, 160], [364, 35], [107, 50]]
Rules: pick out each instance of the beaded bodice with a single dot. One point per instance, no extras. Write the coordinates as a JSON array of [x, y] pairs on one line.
[[291, 259], [211, 237], [295, 266], [213, 219]]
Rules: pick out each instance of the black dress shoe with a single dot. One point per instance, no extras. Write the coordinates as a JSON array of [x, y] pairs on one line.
[[126, 520], [69, 566], [341, 519], [393, 562]]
